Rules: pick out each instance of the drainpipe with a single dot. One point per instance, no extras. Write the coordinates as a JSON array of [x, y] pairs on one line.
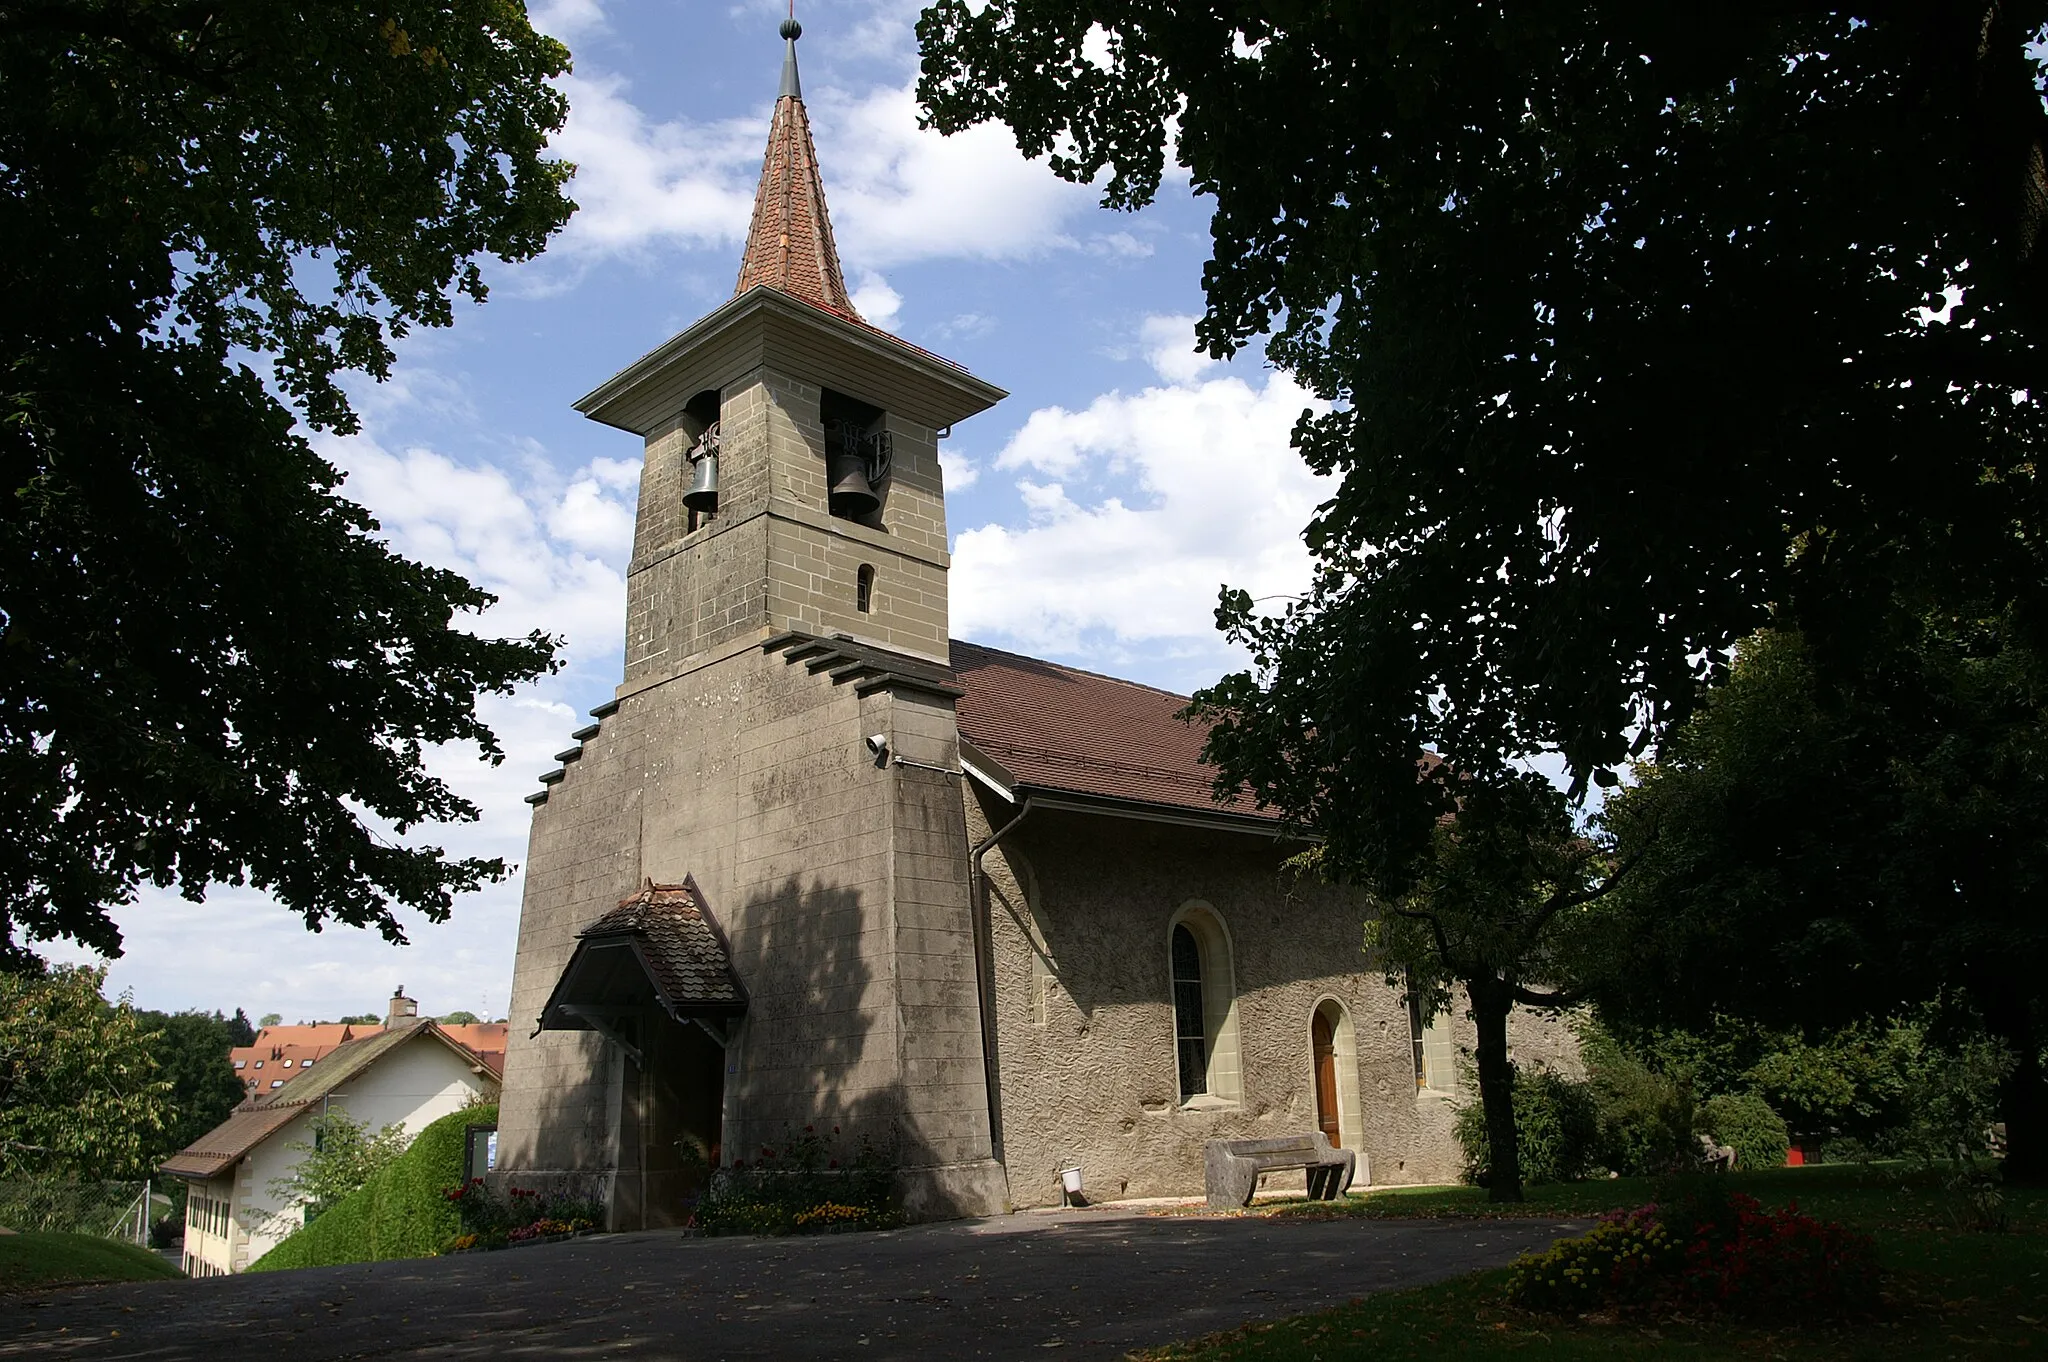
[[984, 973]]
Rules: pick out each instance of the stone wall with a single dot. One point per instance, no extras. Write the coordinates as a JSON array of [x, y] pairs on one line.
[[1080, 909], [841, 888]]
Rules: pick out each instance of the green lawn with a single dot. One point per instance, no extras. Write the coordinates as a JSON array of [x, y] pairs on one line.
[[44, 1258], [1956, 1293]]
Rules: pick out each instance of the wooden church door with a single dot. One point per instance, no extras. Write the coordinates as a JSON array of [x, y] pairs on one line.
[[1324, 1039]]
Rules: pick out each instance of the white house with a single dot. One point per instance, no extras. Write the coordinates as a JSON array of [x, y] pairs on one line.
[[411, 1073]]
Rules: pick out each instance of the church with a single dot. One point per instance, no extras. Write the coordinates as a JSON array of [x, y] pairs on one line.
[[819, 864]]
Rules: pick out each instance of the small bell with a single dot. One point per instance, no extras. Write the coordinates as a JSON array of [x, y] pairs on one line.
[[851, 496], [703, 494]]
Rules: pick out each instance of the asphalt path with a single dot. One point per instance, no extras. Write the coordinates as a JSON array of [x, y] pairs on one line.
[[1076, 1284]]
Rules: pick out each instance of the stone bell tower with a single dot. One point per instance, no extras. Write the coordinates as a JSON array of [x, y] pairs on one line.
[[746, 905]]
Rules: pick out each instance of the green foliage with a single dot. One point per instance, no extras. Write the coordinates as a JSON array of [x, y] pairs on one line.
[[361, 1019], [1826, 839], [40, 1259], [216, 669], [343, 1155], [1646, 1118], [80, 1091], [1557, 1131], [1746, 1123], [192, 1055], [1506, 905], [401, 1212], [1512, 248], [461, 1018], [270, 1019], [802, 1187]]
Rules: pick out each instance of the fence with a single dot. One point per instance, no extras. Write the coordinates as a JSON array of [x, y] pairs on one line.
[[112, 1210]]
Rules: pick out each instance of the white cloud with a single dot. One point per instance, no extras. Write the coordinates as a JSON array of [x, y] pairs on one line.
[[568, 20], [897, 192], [875, 300], [1169, 343], [1141, 507], [638, 181], [959, 471]]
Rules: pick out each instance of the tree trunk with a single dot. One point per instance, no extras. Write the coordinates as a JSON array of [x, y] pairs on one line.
[[1490, 1004]]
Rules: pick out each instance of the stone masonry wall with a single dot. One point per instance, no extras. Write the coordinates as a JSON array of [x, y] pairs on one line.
[[829, 876], [1080, 909]]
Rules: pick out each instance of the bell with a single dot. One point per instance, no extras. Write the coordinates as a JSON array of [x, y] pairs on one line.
[[703, 494], [850, 495]]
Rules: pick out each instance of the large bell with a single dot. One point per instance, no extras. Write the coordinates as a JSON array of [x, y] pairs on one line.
[[703, 494], [850, 493]]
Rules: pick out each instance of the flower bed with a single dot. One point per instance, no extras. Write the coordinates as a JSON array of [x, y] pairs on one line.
[[802, 1186], [1723, 1253], [519, 1217]]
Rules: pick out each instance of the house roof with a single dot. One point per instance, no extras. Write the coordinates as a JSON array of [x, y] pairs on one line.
[[789, 244], [267, 1112], [1057, 728], [661, 936], [222, 1147]]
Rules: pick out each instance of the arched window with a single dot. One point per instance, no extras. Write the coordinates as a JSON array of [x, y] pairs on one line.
[[1190, 1033], [864, 589], [1204, 1007], [1430, 1044]]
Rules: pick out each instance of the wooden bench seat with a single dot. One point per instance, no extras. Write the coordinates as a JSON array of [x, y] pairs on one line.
[[1232, 1167]]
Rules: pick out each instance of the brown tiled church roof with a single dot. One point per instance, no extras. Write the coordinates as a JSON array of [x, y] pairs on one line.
[[680, 947], [789, 245], [1060, 728]]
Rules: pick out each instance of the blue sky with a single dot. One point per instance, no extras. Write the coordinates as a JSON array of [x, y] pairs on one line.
[[1094, 513]]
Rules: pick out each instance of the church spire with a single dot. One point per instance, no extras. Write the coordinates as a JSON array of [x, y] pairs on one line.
[[789, 245]]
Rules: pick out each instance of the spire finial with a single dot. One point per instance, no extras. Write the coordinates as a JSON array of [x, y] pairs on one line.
[[791, 31]]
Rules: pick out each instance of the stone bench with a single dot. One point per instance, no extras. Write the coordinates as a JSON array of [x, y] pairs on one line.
[[1233, 1167]]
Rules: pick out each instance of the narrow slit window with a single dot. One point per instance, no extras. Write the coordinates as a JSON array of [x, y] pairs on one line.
[[864, 589], [1190, 1032], [1415, 1038]]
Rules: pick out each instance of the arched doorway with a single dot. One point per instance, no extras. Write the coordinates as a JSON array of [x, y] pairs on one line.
[[1323, 1040], [1333, 1077]]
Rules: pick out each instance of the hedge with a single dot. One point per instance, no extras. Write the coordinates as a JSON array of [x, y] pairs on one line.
[[401, 1212]]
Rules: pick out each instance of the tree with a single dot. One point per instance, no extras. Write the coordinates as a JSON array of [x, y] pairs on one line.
[[268, 1020], [1621, 314], [361, 1019], [342, 1155], [81, 1095], [461, 1018], [239, 1030], [1506, 907], [191, 1050], [213, 669], [1834, 848]]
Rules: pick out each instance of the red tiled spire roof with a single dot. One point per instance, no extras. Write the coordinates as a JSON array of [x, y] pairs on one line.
[[789, 245]]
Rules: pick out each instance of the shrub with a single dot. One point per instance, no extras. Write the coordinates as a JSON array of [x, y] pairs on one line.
[[801, 1187], [1645, 1118], [400, 1213], [1621, 1261], [1714, 1251], [491, 1220], [1780, 1265], [1557, 1131], [1746, 1122]]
